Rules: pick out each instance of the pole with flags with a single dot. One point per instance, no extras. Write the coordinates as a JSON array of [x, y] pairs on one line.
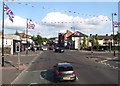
[[29, 25], [11, 16], [27, 36], [3, 36]]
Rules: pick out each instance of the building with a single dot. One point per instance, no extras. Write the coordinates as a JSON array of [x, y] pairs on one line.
[[24, 41], [53, 40], [67, 34], [76, 40], [105, 42], [10, 41]]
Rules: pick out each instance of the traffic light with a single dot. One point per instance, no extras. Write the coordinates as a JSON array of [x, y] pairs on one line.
[[18, 47]]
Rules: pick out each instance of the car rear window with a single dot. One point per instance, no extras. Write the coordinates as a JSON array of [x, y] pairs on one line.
[[65, 68]]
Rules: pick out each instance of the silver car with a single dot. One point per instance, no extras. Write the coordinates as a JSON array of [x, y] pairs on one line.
[[64, 72]]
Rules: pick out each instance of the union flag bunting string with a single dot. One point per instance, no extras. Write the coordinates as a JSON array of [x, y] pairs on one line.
[[65, 11]]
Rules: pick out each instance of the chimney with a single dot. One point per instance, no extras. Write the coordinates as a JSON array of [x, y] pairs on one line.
[[90, 34], [106, 34]]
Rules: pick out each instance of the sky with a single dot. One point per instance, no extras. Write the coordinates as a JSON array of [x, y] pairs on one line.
[[53, 17]]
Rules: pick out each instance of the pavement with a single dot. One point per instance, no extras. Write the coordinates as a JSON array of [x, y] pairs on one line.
[[15, 64]]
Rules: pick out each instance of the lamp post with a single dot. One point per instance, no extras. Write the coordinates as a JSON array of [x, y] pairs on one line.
[[113, 14], [27, 34], [3, 36], [73, 43]]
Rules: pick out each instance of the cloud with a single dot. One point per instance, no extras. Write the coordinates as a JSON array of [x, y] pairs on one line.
[[56, 22], [61, 22], [19, 24]]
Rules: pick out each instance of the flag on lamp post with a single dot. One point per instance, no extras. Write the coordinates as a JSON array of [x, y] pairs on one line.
[[8, 12], [116, 24], [30, 25]]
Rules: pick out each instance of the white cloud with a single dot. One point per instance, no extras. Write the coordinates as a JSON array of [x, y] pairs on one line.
[[19, 24], [56, 22], [61, 22]]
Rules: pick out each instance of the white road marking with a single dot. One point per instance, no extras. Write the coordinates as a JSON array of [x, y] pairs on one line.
[[117, 62], [102, 62], [33, 83], [44, 74], [17, 78], [116, 67], [77, 78]]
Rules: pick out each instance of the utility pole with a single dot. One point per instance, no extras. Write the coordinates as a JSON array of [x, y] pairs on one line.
[[3, 36]]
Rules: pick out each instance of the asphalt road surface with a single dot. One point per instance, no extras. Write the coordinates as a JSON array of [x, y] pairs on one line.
[[40, 71]]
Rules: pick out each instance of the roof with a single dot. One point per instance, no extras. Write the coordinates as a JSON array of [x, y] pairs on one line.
[[10, 36], [78, 34], [100, 37], [105, 37], [64, 64], [23, 35]]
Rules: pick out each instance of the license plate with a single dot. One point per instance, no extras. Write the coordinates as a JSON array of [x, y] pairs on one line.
[[66, 78]]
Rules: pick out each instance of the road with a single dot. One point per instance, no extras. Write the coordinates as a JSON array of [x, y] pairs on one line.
[[40, 71]]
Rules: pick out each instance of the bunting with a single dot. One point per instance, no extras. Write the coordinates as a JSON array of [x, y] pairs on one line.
[[66, 11], [54, 9]]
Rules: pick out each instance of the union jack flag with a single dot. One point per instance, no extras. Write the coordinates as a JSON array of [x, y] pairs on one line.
[[116, 24], [8, 12], [30, 25]]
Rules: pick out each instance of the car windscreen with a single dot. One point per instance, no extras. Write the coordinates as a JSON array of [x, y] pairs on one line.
[[65, 69]]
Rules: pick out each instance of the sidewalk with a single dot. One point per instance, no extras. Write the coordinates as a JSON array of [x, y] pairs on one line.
[[11, 68]]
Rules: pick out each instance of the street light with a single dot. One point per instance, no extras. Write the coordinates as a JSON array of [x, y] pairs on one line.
[[113, 14], [27, 34], [74, 36], [3, 36]]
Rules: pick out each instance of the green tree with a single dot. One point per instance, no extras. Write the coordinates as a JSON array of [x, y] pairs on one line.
[[117, 38], [16, 33], [93, 41], [84, 42], [97, 43], [39, 40]]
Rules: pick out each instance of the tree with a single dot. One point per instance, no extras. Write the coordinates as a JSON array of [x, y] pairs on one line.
[[117, 38], [16, 33], [97, 43], [39, 40], [84, 42], [94, 41]]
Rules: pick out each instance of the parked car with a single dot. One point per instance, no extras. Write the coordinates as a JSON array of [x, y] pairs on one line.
[[64, 72], [44, 48], [31, 48], [58, 49], [51, 47]]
